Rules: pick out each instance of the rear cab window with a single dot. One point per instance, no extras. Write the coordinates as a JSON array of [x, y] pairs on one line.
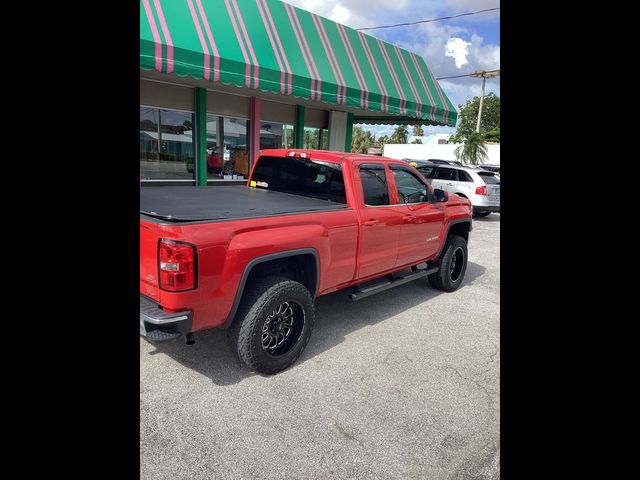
[[300, 176], [374, 184]]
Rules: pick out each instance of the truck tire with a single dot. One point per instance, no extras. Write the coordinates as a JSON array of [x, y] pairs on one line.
[[452, 265], [273, 324]]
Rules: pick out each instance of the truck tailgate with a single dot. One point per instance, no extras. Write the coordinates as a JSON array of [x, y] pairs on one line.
[[149, 261]]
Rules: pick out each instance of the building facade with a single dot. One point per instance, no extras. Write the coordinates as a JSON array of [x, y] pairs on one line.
[[222, 79]]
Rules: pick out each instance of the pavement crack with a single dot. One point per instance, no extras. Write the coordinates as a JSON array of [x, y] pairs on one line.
[[477, 383], [346, 433], [496, 352], [388, 355]]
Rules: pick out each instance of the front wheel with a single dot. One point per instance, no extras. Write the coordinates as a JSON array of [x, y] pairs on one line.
[[452, 265], [273, 324]]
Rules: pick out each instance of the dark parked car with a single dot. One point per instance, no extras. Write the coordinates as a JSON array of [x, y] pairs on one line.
[[445, 162], [490, 168], [419, 163]]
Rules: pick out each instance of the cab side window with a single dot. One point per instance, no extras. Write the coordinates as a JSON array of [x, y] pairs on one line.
[[410, 188], [374, 184]]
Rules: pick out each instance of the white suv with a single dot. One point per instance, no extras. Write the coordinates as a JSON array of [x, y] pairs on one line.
[[479, 186]]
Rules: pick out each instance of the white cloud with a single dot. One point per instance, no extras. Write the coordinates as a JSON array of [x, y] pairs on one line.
[[458, 49], [353, 13], [340, 14], [451, 47], [431, 41]]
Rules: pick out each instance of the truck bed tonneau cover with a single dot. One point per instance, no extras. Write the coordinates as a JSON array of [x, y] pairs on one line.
[[225, 202]]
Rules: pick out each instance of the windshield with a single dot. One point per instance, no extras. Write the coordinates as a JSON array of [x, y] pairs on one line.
[[300, 176]]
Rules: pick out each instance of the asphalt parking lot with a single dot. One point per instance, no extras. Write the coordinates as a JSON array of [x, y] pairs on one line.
[[401, 385]]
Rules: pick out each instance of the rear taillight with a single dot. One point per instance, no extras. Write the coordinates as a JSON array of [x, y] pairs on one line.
[[177, 263], [481, 190]]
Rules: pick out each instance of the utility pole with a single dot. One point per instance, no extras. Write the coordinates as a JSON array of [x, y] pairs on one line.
[[484, 74]]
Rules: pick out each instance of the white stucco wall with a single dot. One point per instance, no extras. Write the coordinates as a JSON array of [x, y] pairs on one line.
[[417, 151]]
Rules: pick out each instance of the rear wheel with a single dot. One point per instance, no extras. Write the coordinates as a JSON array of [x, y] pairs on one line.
[[273, 324], [481, 214], [452, 265]]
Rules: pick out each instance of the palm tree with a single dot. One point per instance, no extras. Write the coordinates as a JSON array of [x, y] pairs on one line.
[[473, 150]]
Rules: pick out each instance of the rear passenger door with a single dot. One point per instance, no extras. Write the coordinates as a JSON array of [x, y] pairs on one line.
[[421, 218], [380, 224], [445, 179], [465, 184]]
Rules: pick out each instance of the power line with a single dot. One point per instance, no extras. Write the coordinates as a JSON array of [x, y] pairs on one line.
[[430, 20], [472, 74], [454, 76]]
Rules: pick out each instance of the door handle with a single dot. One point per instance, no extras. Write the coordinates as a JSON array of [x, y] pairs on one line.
[[370, 223], [408, 217]]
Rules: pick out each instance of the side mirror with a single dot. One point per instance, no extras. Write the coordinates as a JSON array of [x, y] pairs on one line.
[[440, 195]]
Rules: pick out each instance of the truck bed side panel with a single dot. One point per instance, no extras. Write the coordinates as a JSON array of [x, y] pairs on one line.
[[225, 249]]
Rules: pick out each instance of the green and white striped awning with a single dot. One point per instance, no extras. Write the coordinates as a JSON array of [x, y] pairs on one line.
[[273, 46]]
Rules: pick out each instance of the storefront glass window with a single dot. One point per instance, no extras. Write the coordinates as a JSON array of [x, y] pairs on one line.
[[316, 138], [166, 144], [324, 143], [227, 159], [311, 137], [275, 135]]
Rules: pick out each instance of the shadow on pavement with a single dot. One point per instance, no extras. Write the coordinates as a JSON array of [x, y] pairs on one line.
[[494, 217], [336, 317]]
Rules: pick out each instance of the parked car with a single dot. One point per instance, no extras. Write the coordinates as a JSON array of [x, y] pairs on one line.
[[490, 168], [252, 259], [416, 163], [444, 162], [481, 187], [215, 164]]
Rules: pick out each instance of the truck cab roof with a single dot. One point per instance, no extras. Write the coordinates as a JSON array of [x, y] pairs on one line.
[[324, 155]]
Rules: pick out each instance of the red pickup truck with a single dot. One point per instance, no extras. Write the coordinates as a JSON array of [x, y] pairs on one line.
[[252, 259]]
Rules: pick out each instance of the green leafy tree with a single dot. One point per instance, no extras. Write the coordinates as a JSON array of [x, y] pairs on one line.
[[418, 131], [361, 140], [417, 140], [493, 135], [311, 138], [400, 134], [287, 137], [473, 150], [382, 140], [469, 117]]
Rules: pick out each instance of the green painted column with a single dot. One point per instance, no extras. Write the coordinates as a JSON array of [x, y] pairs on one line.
[[200, 130], [298, 128], [348, 133]]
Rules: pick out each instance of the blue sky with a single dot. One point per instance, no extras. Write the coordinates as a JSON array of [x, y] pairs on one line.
[[450, 47]]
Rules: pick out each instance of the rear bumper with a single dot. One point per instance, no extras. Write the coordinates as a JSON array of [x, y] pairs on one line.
[[159, 326], [487, 208]]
